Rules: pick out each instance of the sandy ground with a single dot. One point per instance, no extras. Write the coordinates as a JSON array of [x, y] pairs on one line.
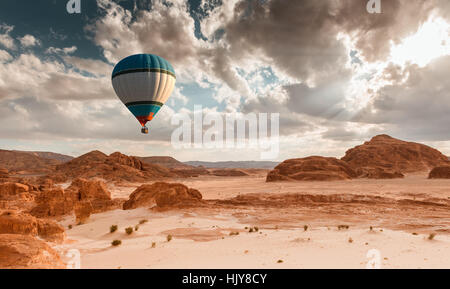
[[402, 214]]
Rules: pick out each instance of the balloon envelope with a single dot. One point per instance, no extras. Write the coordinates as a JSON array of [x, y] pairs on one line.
[[143, 82]]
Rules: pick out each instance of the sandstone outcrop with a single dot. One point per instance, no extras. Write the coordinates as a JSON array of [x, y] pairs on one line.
[[442, 172], [60, 202], [311, 169], [13, 222], [388, 153], [163, 195], [27, 252]]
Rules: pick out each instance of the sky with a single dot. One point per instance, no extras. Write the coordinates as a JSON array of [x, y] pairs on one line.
[[336, 74]]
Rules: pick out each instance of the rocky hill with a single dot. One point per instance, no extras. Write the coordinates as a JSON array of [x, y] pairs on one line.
[[115, 167], [313, 168], [17, 162], [388, 153]]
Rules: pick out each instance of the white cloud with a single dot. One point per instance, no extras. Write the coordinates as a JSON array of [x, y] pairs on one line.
[[29, 41], [5, 39]]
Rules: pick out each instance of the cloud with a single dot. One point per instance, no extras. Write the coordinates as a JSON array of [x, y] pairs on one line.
[[65, 51], [29, 41], [416, 104], [5, 39], [29, 75]]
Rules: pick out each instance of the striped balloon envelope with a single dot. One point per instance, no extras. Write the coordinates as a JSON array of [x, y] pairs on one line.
[[143, 82]]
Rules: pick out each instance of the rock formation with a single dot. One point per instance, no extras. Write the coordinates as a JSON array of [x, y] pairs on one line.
[[228, 173], [115, 167], [311, 169], [27, 252], [13, 222], [387, 153], [163, 195], [59, 202], [442, 172]]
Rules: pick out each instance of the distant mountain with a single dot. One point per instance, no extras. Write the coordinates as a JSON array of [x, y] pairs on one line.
[[50, 156], [167, 162], [235, 165], [26, 163]]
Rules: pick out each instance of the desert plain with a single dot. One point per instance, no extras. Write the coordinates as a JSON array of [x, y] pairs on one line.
[[384, 205]]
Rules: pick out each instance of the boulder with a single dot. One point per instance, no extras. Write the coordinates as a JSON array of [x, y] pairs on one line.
[[442, 172], [163, 195], [27, 252], [311, 169]]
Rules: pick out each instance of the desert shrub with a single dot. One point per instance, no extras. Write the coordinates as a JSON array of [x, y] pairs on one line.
[[305, 228], [280, 261], [153, 245], [250, 230], [116, 243], [136, 227], [169, 238], [129, 230], [342, 227], [113, 228], [371, 228], [70, 227], [234, 233], [431, 236], [141, 222], [415, 234], [350, 240], [256, 229]]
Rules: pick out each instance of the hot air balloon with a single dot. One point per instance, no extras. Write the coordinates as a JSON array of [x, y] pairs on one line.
[[143, 82]]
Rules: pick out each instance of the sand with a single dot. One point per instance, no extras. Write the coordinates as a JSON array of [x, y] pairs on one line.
[[201, 236]]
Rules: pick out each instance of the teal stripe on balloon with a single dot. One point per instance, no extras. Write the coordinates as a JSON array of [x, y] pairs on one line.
[[143, 62], [144, 109]]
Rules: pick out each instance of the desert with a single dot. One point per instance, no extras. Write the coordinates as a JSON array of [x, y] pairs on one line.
[[385, 204]]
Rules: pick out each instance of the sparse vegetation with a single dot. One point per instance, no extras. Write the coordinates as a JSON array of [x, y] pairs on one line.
[[431, 236], [256, 229], [153, 244], [371, 228], [169, 238], [234, 233], [136, 227], [113, 228], [70, 227], [343, 227], [280, 261], [415, 234], [129, 230], [350, 240], [116, 243], [141, 222], [250, 230], [305, 228]]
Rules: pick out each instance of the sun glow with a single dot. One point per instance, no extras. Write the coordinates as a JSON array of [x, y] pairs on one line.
[[431, 41]]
